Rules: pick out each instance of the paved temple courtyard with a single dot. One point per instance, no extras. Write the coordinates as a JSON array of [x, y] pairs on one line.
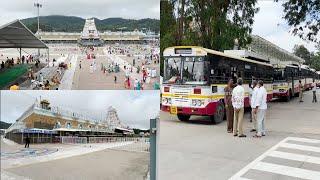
[[117, 160], [139, 62]]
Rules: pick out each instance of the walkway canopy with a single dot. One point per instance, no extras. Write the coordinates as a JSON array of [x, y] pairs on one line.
[[17, 35]]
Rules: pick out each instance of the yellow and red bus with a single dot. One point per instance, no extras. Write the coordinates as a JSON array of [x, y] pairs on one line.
[[195, 77], [286, 81], [306, 76]]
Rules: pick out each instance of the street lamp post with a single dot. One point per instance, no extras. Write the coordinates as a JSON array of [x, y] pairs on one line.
[[38, 6]]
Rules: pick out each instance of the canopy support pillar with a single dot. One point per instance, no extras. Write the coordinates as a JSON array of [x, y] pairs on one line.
[[20, 53], [48, 56]]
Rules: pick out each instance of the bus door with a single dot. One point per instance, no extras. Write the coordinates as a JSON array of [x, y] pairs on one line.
[[234, 74]]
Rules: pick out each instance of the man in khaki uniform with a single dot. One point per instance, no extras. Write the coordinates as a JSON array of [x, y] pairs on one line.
[[228, 104], [300, 91]]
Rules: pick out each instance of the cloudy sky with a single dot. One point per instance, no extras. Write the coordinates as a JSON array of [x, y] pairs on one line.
[[135, 108], [270, 25], [137, 9]]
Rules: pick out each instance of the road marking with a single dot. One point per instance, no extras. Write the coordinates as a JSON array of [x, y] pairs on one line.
[[295, 157], [257, 164], [300, 147], [242, 178], [287, 170], [304, 140]]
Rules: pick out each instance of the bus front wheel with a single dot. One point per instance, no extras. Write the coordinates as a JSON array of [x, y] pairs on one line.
[[219, 115], [183, 117]]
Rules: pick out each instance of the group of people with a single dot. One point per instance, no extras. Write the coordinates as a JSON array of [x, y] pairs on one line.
[[234, 102], [314, 89], [24, 59]]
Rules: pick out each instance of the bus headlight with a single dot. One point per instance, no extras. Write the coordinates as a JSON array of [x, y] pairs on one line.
[[166, 100], [197, 102], [194, 102]]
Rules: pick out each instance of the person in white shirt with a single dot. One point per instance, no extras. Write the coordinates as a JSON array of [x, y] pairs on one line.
[[253, 106], [238, 105], [135, 84], [260, 110], [314, 90]]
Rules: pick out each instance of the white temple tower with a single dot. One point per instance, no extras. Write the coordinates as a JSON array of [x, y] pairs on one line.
[[112, 119], [90, 30], [90, 35]]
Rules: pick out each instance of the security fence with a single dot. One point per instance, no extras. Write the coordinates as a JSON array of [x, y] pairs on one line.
[[139, 144], [73, 140], [134, 144], [116, 139]]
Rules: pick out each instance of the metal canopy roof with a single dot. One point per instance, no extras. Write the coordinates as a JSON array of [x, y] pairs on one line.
[[17, 35]]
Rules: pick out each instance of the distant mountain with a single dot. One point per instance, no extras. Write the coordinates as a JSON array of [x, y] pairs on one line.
[[4, 125], [75, 24]]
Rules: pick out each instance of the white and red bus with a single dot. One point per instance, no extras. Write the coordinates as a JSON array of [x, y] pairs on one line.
[[286, 81], [195, 77], [306, 76]]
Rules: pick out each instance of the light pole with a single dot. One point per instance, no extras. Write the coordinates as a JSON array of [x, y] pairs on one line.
[[38, 6]]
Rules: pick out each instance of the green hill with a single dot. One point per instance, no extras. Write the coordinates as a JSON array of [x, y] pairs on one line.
[[75, 24], [4, 125]]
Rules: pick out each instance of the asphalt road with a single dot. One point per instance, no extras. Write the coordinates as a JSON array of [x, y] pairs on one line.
[[200, 150]]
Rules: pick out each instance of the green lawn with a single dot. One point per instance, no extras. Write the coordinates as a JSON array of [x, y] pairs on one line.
[[11, 74]]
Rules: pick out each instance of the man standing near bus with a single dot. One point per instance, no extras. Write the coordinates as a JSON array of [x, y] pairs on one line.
[[314, 90], [300, 91], [260, 110], [228, 105], [238, 105], [253, 105]]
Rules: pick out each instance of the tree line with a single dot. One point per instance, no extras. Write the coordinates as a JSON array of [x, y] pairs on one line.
[[75, 24]]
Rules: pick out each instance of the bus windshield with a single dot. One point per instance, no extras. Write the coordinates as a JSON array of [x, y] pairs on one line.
[[278, 74], [184, 70]]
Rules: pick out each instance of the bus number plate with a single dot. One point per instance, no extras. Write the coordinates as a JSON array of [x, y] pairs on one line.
[[173, 110]]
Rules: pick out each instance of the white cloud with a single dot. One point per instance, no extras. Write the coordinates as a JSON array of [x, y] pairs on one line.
[[135, 108], [270, 25]]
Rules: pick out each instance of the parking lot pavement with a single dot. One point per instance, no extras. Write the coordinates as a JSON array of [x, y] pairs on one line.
[[200, 150]]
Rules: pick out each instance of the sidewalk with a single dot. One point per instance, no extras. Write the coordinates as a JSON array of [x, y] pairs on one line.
[[67, 79]]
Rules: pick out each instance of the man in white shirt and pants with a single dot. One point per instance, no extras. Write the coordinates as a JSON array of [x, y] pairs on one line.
[[253, 106], [260, 109], [238, 105]]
